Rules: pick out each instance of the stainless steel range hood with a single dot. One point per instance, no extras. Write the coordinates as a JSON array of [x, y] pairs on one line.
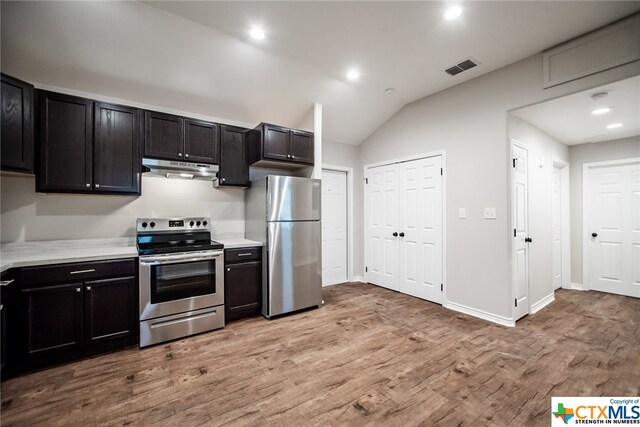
[[184, 170]]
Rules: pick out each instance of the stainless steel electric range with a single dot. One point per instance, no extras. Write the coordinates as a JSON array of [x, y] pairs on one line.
[[181, 278]]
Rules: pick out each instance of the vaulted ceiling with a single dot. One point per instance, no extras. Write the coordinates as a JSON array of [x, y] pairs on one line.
[[198, 56]]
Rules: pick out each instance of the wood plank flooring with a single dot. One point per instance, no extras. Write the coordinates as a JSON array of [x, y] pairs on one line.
[[369, 356]]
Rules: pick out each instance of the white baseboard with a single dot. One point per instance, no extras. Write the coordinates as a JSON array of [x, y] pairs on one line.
[[358, 279], [542, 303], [504, 321], [578, 287]]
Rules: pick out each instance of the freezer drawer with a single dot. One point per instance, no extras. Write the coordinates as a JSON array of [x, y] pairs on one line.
[[294, 272]]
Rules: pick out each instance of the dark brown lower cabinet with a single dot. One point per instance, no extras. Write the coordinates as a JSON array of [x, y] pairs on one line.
[[66, 320], [52, 320], [110, 311], [242, 283]]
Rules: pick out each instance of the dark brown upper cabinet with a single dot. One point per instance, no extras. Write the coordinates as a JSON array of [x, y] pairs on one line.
[[116, 167], [17, 125], [172, 137], [234, 161], [280, 147], [200, 141], [87, 146], [65, 133], [163, 136]]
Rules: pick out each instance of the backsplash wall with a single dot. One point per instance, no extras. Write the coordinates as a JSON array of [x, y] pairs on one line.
[[28, 216]]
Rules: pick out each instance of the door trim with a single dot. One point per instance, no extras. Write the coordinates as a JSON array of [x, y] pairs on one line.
[[586, 187], [443, 154], [349, 172], [515, 142], [565, 206]]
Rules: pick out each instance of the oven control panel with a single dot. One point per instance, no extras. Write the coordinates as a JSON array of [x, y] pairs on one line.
[[172, 224]]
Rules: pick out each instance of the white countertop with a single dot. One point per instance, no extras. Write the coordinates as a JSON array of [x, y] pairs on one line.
[[237, 243], [27, 254]]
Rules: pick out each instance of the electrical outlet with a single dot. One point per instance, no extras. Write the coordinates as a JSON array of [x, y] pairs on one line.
[[462, 213], [489, 213]]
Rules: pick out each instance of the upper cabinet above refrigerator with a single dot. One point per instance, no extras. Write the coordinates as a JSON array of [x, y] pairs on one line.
[[279, 147]]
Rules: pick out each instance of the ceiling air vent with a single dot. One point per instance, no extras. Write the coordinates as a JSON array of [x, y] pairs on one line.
[[463, 66]]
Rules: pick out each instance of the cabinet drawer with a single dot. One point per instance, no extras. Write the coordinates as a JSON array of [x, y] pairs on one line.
[[77, 271], [243, 254]]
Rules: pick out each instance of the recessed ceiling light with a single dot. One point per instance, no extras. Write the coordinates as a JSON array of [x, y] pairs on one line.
[[256, 33], [453, 12], [603, 110], [353, 74], [614, 126]]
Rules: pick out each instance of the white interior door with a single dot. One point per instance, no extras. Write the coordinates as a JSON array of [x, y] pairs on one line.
[[381, 246], [334, 227], [557, 227], [613, 218], [520, 221], [420, 229]]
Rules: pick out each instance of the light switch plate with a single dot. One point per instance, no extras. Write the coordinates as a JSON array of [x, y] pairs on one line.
[[462, 213], [489, 213]]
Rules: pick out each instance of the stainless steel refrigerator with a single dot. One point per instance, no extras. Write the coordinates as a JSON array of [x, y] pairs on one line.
[[283, 212]]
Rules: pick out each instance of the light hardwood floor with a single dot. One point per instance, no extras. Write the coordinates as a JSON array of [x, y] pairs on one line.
[[368, 356]]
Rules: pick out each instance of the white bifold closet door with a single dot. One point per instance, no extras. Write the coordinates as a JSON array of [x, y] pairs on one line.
[[404, 247]]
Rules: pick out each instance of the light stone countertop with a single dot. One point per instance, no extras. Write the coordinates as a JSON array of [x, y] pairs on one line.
[[28, 254], [237, 243]]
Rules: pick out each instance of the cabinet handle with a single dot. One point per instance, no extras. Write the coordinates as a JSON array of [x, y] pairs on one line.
[[6, 282], [246, 254], [224, 179], [186, 155], [88, 288], [293, 157], [83, 271], [78, 289], [97, 185], [228, 269], [87, 185], [1, 307], [179, 154]]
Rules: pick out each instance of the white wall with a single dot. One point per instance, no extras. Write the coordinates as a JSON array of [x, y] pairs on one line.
[[27, 215], [586, 153], [470, 122], [545, 148]]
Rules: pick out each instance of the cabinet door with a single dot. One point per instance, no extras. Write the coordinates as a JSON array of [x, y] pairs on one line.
[[163, 136], [52, 320], [200, 141], [302, 147], [242, 290], [116, 167], [5, 304], [110, 311], [17, 125], [65, 133], [275, 143], [234, 166]]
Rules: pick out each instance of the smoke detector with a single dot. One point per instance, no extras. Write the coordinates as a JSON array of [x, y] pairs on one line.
[[599, 95], [389, 91]]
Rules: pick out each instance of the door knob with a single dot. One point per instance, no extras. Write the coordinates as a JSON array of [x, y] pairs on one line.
[[528, 239], [395, 234], [594, 234], [401, 234]]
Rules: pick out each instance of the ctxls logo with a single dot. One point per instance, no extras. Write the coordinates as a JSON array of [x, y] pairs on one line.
[[595, 410]]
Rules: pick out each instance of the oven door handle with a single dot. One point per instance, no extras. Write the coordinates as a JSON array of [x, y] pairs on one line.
[[176, 259]]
